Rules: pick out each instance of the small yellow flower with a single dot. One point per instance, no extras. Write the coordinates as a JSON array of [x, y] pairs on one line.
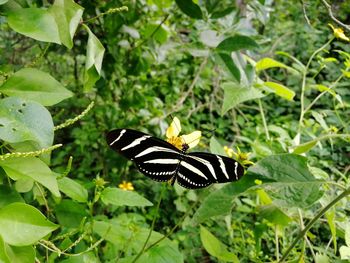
[[127, 186], [333, 129], [240, 157], [172, 134], [339, 33]]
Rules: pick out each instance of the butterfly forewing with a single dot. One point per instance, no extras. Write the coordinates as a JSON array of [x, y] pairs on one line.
[[199, 170], [154, 158]]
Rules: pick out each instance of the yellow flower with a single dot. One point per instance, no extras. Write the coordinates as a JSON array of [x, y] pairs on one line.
[[172, 134], [339, 33], [240, 157], [127, 186]]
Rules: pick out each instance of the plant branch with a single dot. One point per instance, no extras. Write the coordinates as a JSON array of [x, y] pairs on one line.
[[302, 232], [330, 12]]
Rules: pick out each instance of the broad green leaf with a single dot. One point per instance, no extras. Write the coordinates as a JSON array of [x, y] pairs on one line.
[[88, 257], [236, 43], [24, 184], [215, 248], [347, 234], [189, 8], [267, 63], [216, 147], [35, 23], [23, 254], [23, 225], [3, 2], [220, 202], [22, 120], [73, 189], [31, 167], [227, 61], [8, 195], [288, 180], [158, 33], [163, 253], [93, 63], [119, 197], [67, 15], [33, 84], [274, 215], [322, 88], [305, 147], [234, 94], [4, 258], [280, 90], [344, 252], [301, 65], [321, 258], [70, 214]]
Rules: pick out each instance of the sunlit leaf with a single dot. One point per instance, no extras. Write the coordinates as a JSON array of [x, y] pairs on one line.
[[234, 94], [274, 215], [280, 90], [22, 120], [305, 147], [23, 225], [73, 189], [31, 168], [215, 248], [35, 23], [93, 63], [119, 197], [36, 85]]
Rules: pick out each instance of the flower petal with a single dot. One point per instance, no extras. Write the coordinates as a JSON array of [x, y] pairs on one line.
[[174, 128], [191, 139]]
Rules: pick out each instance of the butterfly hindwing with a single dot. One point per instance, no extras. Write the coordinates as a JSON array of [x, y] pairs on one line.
[[199, 170], [153, 157]]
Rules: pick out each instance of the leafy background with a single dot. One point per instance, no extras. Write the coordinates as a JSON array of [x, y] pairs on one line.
[[268, 77]]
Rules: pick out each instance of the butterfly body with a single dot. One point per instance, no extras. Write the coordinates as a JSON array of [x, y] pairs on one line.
[[161, 161]]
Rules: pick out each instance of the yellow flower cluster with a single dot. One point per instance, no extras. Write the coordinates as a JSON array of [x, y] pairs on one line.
[[339, 33]]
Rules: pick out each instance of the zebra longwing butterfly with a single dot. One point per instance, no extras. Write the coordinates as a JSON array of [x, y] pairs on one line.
[[161, 161]]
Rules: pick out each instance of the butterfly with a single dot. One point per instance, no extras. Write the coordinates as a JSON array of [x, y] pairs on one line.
[[161, 161]]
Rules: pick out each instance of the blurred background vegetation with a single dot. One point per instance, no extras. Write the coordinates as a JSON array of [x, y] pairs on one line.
[[161, 61]]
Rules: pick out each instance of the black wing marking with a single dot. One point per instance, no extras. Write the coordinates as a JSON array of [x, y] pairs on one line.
[[154, 158], [199, 170]]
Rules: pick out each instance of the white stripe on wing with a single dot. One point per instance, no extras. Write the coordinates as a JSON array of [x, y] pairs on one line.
[[136, 142], [118, 138], [223, 167], [155, 149], [206, 163], [193, 169]]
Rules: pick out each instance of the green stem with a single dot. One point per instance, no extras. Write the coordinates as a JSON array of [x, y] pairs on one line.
[[303, 85], [313, 221], [264, 120], [152, 226]]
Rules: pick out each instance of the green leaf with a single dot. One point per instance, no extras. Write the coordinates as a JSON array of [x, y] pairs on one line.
[[33, 168], [70, 214], [93, 63], [347, 234], [3, 2], [189, 8], [236, 43], [234, 94], [305, 147], [158, 33], [321, 258], [323, 88], [267, 63], [330, 215], [225, 197], [23, 254], [4, 258], [215, 248], [73, 189], [67, 15], [163, 253], [280, 90], [344, 253], [227, 61], [88, 257], [23, 225], [8, 196], [35, 23], [119, 197], [216, 147], [22, 120], [274, 215], [33, 84], [288, 180]]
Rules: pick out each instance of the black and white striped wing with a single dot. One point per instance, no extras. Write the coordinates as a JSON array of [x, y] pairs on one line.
[[198, 170], [153, 157]]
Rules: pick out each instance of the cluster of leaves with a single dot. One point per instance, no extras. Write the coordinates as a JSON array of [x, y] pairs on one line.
[[140, 62]]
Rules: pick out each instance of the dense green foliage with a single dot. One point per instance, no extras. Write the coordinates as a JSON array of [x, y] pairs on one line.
[[269, 77]]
